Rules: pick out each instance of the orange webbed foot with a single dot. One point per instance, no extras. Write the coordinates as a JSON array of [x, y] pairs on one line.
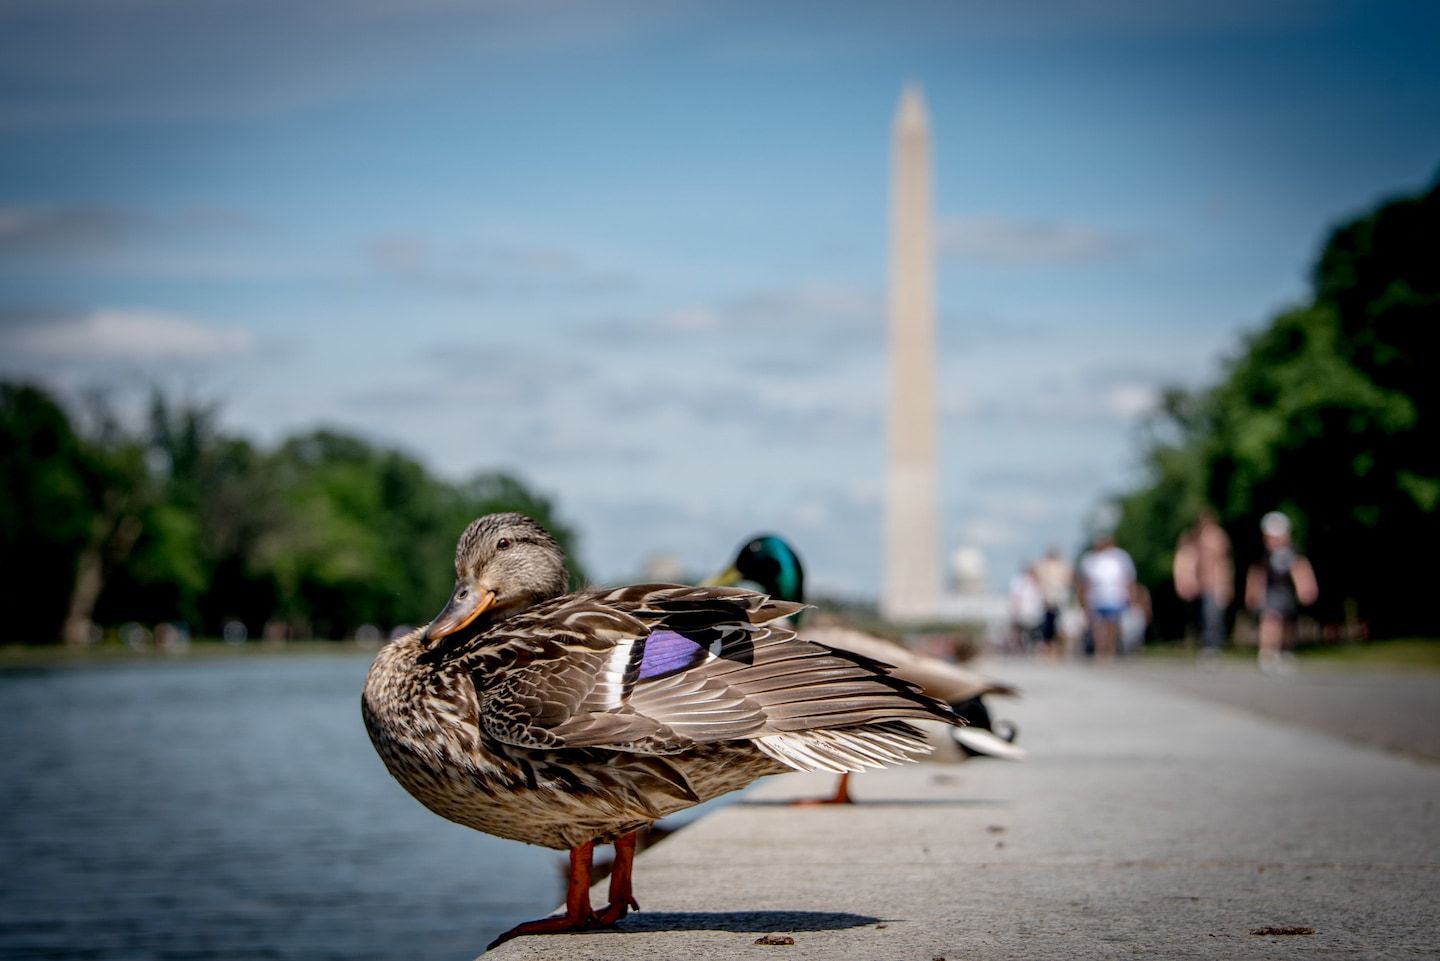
[[841, 796], [558, 924]]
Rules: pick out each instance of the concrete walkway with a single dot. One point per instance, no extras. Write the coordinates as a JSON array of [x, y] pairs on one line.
[[1149, 823], [1390, 708]]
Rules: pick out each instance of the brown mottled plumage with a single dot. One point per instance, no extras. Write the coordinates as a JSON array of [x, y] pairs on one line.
[[570, 720]]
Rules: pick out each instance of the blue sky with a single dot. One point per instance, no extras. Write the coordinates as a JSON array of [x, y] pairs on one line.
[[636, 251]]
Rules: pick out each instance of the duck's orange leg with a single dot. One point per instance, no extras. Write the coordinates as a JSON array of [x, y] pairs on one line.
[[841, 795], [621, 898], [578, 916]]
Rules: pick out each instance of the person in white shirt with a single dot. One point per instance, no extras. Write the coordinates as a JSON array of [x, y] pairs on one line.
[[1106, 588]]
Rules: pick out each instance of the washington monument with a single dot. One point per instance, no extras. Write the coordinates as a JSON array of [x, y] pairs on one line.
[[912, 567]]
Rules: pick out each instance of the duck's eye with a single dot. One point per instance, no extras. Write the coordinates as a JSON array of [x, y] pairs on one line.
[[502, 544]]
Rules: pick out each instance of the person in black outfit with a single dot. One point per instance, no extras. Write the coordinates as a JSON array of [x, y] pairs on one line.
[[1276, 588]]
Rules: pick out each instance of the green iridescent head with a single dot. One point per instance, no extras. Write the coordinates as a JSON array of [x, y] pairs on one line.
[[770, 563]]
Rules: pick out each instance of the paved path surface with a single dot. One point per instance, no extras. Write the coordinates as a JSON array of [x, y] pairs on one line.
[[1148, 823], [1393, 709]]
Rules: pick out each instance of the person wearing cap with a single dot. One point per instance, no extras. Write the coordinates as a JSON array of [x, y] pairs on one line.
[[1277, 587]]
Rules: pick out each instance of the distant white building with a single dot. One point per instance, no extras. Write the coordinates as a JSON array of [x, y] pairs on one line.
[[970, 570], [970, 599], [664, 569]]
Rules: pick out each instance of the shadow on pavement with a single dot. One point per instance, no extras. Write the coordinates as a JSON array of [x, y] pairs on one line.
[[881, 803], [745, 922]]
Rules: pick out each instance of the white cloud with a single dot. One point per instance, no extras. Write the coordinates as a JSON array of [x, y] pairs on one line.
[[988, 533], [822, 306], [691, 320], [91, 227], [470, 266], [30, 229], [837, 305], [109, 334], [1131, 400], [94, 62], [1028, 241]]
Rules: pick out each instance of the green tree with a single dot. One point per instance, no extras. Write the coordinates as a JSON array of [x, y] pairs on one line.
[[47, 513], [181, 522], [369, 536], [212, 499], [1328, 414]]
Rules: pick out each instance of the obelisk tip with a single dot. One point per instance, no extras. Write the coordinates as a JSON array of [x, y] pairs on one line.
[[912, 112]]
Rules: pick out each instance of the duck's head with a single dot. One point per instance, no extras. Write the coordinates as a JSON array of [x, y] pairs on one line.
[[504, 563], [769, 561]]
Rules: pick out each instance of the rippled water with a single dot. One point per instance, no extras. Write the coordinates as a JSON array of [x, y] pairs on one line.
[[231, 808]]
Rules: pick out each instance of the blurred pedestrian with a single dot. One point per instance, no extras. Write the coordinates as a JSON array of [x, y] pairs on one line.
[[1135, 622], [1205, 577], [1107, 588], [1276, 587], [1027, 609], [1056, 579]]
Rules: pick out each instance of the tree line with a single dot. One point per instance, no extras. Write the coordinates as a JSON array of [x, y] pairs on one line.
[[1329, 414], [178, 521]]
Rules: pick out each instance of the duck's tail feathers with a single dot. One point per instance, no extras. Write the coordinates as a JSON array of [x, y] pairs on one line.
[[847, 749]]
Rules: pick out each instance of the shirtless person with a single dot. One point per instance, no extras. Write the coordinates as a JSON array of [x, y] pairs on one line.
[[1205, 576]]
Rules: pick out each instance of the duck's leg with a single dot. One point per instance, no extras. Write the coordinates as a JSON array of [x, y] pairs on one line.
[[841, 795], [578, 916], [621, 898]]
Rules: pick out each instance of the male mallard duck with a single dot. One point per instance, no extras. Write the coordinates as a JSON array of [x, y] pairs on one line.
[[567, 720], [768, 561]]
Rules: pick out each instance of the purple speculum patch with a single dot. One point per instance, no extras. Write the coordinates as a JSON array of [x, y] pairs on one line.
[[667, 651]]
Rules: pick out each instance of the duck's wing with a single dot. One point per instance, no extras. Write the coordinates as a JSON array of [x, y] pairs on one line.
[[949, 682], [661, 669]]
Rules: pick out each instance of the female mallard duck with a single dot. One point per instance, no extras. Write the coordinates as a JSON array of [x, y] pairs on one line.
[[769, 562], [568, 720]]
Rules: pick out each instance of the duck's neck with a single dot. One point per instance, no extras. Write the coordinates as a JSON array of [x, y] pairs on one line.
[[789, 580], [786, 582], [392, 677]]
